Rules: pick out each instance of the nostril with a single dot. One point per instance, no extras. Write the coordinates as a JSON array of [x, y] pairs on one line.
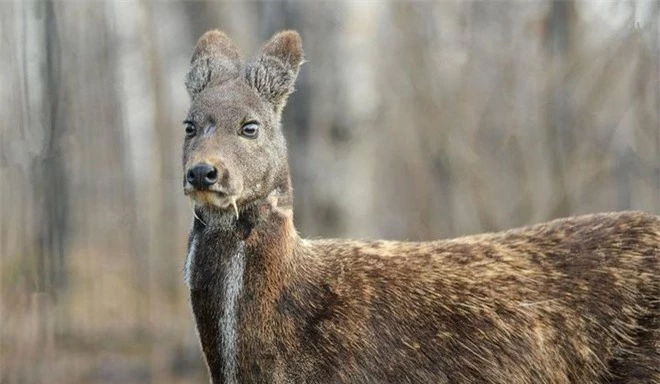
[[190, 177], [212, 176]]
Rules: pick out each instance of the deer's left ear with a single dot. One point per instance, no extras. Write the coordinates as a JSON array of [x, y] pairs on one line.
[[215, 61], [274, 70]]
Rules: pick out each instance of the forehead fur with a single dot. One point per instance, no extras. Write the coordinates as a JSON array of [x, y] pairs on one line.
[[229, 98]]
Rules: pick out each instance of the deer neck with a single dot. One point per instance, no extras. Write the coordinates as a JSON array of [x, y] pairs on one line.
[[262, 231]]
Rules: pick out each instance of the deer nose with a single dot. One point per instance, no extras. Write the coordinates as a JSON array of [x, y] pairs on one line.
[[202, 176]]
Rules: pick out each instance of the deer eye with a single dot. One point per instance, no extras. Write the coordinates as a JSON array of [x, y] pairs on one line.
[[190, 128], [250, 130]]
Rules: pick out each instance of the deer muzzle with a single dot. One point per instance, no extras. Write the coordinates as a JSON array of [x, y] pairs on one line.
[[209, 184]]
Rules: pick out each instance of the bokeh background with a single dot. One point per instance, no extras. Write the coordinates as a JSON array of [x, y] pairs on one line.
[[411, 121]]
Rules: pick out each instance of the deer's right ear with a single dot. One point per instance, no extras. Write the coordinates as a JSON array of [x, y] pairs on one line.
[[215, 61]]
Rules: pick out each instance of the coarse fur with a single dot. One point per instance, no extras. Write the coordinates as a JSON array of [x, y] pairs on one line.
[[574, 300]]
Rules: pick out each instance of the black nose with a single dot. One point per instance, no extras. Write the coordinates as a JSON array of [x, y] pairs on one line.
[[202, 176]]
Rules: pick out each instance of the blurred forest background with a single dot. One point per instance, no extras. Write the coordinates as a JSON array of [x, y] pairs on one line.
[[411, 121]]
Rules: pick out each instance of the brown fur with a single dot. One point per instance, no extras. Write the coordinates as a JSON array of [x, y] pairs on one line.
[[575, 300]]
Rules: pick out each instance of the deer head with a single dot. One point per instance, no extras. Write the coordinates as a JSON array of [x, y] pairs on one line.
[[234, 151]]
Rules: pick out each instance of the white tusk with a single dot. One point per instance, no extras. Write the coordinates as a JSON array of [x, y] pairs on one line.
[[233, 203], [192, 202]]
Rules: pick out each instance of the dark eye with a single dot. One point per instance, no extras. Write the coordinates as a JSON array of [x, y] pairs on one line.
[[190, 129], [250, 130]]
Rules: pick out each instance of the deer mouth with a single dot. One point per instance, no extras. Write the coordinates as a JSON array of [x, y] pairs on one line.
[[212, 198]]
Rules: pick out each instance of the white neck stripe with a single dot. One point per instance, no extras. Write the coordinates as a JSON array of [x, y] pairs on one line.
[[232, 286], [190, 260]]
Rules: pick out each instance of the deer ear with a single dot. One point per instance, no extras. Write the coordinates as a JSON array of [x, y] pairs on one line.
[[214, 61], [274, 70]]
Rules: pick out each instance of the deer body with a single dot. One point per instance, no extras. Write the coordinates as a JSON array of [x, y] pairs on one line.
[[570, 301]]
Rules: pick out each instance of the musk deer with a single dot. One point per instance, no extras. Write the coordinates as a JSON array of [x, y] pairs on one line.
[[574, 300]]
